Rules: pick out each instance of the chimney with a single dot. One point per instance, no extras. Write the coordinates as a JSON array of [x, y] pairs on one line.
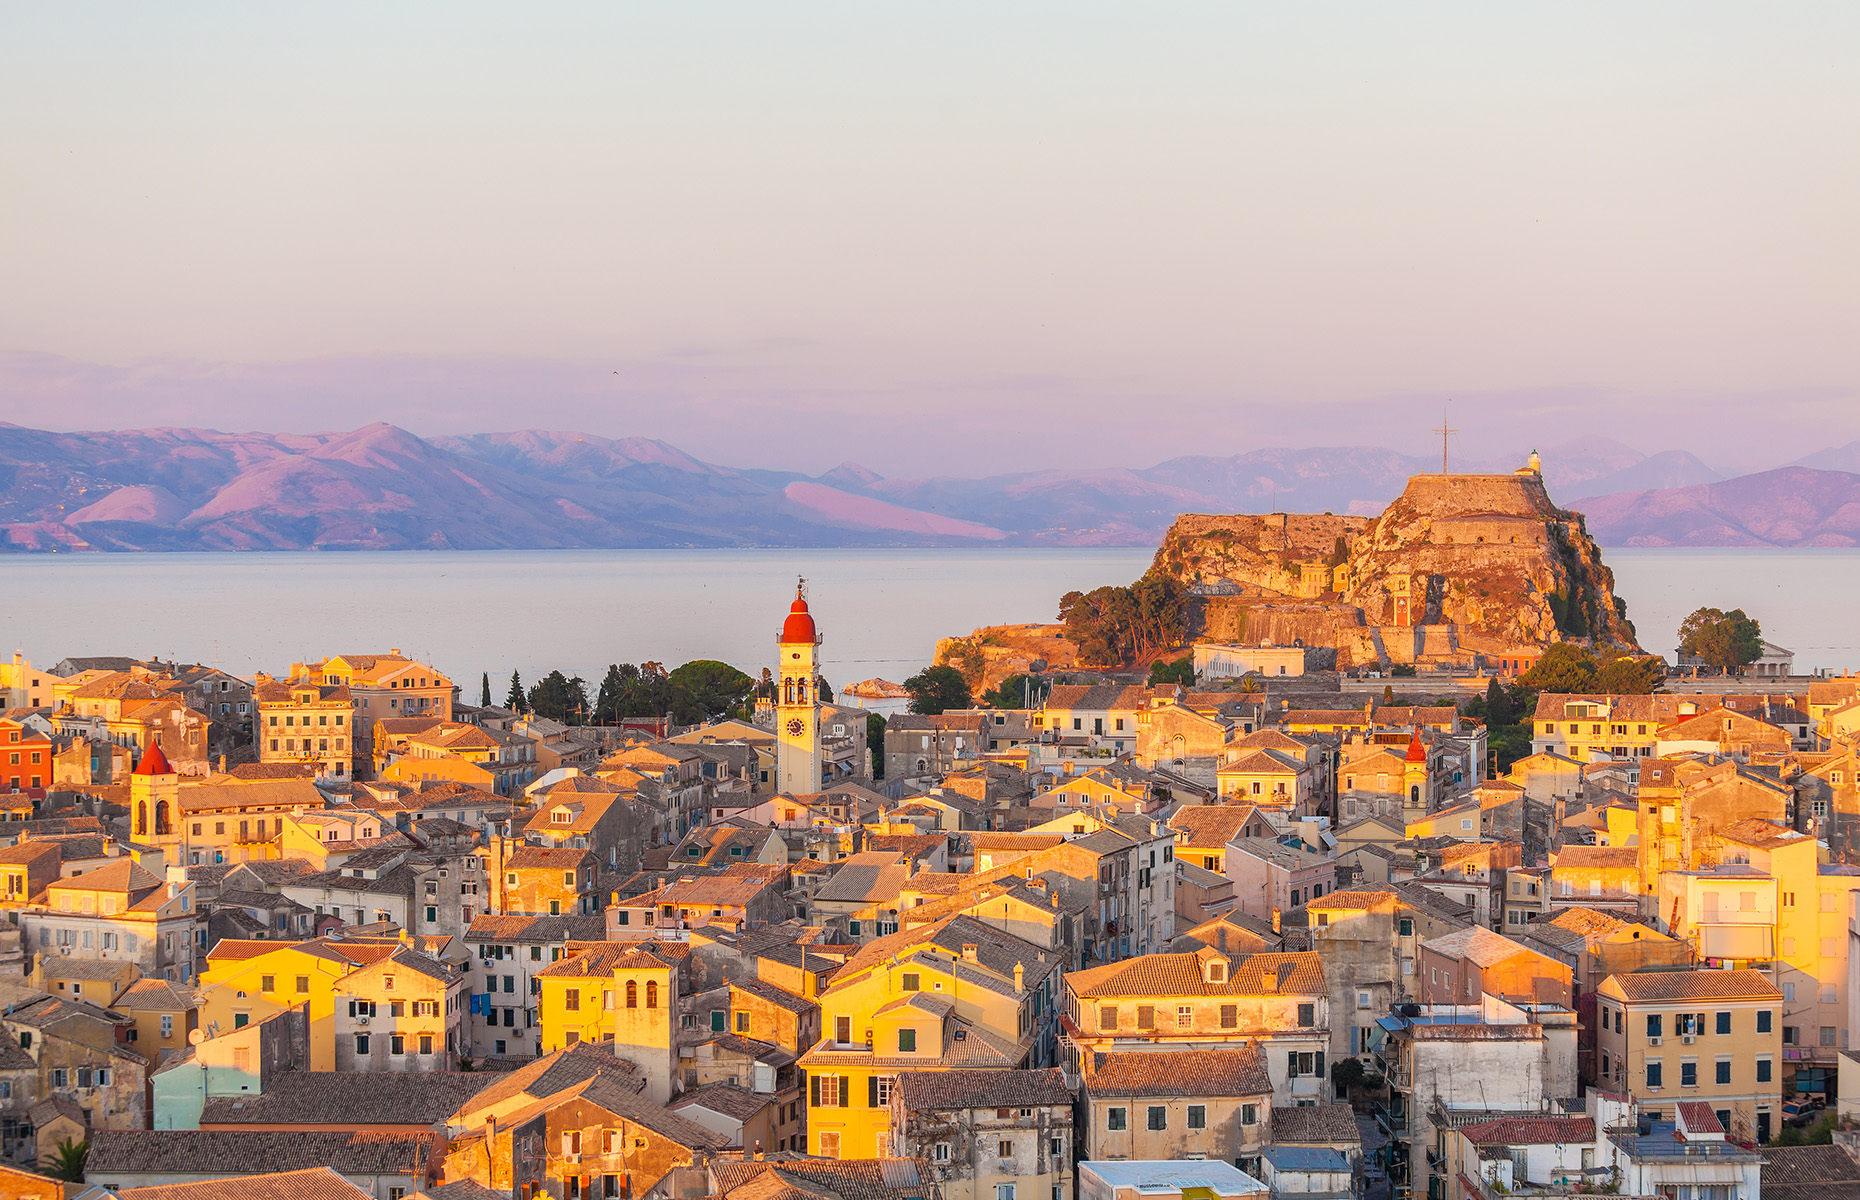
[[1275, 919], [395, 651], [1269, 979], [222, 764], [968, 951], [1020, 977]]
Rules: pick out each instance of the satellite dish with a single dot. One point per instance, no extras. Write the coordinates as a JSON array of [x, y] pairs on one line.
[[196, 1036]]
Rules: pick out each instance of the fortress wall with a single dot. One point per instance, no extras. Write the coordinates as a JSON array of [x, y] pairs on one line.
[[1444, 496]]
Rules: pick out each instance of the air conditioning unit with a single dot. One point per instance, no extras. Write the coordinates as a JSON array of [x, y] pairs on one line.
[[1688, 1039], [1653, 1041], [571, 1158], [361, 1020]]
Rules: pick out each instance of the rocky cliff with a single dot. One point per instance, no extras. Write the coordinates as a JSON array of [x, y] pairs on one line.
[[1457, 565]]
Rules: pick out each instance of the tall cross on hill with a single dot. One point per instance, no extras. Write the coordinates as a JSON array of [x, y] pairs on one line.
[[1445, 431]]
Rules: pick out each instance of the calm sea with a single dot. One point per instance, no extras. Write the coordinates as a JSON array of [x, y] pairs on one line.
[[880, 611]]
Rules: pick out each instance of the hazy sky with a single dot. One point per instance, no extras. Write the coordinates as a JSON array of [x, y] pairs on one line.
[[939, 237]]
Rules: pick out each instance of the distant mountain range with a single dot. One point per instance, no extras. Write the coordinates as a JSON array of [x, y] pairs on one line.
[[382, 488]]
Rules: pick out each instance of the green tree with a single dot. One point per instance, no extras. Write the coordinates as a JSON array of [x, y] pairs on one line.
[[713, 687], [560, 698], [1181, 671], [67, 1161], [1388, 694], [1564, 667], [1729, 641], [937, 689], [823, 689], [1507, 713], [875, 742], [1016, 691], [610, 702], [1402, 671], [484, 691], [1113, 626], [514, 701], [1630, 676]]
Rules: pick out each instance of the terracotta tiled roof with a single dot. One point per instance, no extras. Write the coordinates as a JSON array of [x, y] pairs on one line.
[[827, 1179], [1298, 973], [313, 1183], [1210, 824], [1477, 944], [228, 1152], [1315, 1124], [1529, 1131], [421, 1099], [982, 1089], [1802, 1166], [1240, 1071], [1696, 985], [1598, 857], [1353, 899]]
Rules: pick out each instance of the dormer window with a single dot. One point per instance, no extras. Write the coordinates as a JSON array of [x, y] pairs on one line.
[[1217, 971]]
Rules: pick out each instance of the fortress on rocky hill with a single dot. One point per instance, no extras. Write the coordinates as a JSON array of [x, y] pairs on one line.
[[1459, 570]]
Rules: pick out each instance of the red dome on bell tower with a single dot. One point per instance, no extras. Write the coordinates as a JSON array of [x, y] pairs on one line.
[[798, 629], [154, 762], [1417, 753]]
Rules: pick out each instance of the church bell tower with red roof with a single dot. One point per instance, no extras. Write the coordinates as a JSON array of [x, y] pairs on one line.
[[797, 702]]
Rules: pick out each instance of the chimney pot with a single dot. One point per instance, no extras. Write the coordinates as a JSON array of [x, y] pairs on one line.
[[969, 951]]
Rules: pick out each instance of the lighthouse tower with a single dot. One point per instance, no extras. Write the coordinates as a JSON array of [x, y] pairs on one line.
[[797, 702]]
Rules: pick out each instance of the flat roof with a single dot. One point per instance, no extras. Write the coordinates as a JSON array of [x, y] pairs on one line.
[[1169, 1176]]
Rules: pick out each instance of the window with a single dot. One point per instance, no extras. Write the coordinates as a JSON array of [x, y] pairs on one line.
[[940, 1152], [1114, 1118], [1107, 1016], [1146, 1016], [267, 983], [1006, 1148], [1654, 1072], [397, 1044], [1184, 1016], [1763, 1070], [1653, 1025], [1158, 1117], [1722, 1071], [829, 1089], [167, 1025], [1249, 1114], [1197, 1116], [1004, 1191], [1307, 1015], [1407, 927], [1230, 1016], [842, 1027], [1763, 1020], [910, 981], [361, 1044], [907, 1041], [571, 999], [1723, 1023], [1688, 1074]]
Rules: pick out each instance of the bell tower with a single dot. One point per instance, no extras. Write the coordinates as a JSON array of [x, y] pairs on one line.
[[797, 702]]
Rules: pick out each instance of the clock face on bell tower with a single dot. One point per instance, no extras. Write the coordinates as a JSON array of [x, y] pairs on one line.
[[798, 760]]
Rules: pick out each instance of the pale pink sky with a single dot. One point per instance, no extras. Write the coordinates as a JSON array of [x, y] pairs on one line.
[[953, 238]]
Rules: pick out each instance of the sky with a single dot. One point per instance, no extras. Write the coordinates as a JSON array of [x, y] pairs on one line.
[[940, 238]]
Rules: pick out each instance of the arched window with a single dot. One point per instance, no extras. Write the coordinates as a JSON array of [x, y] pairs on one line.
[[652, 993], [161, 817], [142, 817], [632, 994], [1414, 794]]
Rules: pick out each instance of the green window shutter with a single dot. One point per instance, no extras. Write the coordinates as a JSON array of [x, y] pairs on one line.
[[845, 1091], [1320, 1064], [813, 1090], [871, 1091]]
